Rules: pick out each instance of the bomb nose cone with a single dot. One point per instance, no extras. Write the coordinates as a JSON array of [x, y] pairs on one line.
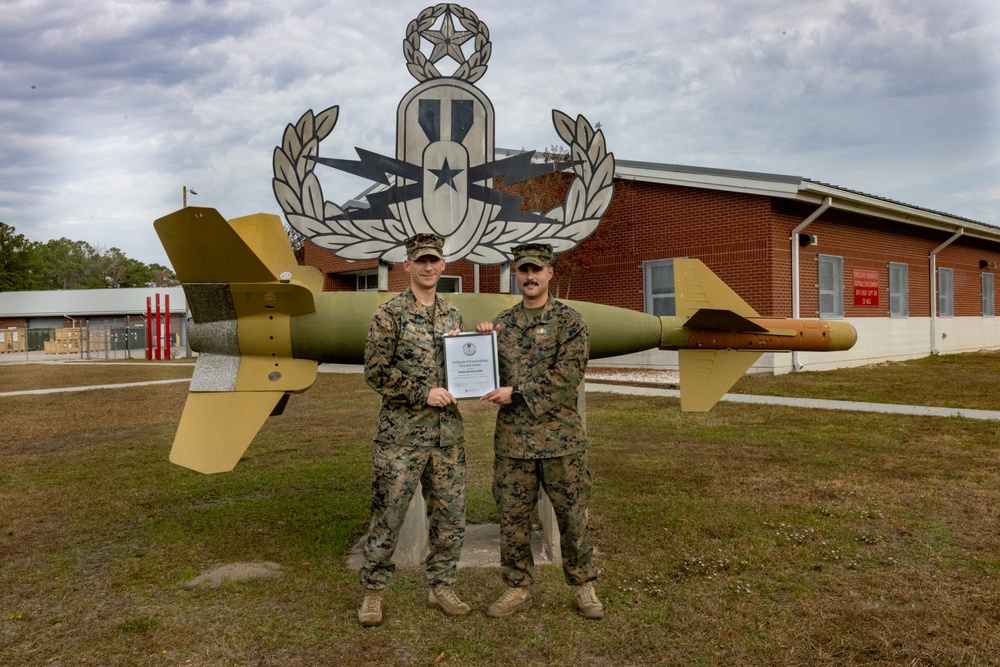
[[842, 336]]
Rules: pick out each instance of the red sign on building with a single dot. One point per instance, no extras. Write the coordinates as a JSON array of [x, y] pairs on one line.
[[866, 287]]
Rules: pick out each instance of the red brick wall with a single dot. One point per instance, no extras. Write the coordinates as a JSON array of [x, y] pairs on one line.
[[743, 238], [727, 231], [870, 243], [963, 258]]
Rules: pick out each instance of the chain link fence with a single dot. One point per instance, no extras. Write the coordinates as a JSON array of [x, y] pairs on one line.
[[98, 343]]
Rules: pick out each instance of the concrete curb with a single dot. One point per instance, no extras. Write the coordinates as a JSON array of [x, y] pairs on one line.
[[817, 404]]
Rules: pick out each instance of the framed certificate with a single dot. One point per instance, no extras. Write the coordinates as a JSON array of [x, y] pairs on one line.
[[470, 361]]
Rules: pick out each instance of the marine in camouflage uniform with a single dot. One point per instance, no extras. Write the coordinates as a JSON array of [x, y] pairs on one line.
[[417, 440], [540, 439]]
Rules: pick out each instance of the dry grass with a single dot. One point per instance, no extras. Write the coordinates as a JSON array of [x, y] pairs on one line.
[[797, 537], [23, 377], [949, 380], [746, 536]]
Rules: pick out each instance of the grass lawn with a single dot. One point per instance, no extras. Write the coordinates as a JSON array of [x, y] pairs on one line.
[[749, 535]]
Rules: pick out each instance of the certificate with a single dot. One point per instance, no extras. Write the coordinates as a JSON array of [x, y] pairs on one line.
[[470, 361]]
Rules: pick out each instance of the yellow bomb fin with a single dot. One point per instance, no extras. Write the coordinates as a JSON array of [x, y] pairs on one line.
[[243, 286], [265, 236], [706, 375], [217, 427], [204, 248], [696, 287]]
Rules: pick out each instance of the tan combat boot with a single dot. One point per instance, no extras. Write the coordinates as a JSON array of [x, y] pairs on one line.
[[512, 600], [587, 602], [370, 613], [447, 600]]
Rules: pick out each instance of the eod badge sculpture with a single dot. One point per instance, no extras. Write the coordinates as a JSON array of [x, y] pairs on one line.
[[441, 178], [261, 323]]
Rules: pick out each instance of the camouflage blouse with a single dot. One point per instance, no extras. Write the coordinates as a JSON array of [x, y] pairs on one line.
[[546, 357], [404, 360]]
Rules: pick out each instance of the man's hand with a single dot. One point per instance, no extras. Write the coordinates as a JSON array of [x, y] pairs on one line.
[[487, 327], [499, 396], [439, 397]]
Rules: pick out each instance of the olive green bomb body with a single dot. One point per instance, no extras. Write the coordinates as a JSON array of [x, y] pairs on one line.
[[335, 332], [261, 324]]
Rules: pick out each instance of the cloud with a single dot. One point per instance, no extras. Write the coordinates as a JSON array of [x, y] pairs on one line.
[[110, 107]]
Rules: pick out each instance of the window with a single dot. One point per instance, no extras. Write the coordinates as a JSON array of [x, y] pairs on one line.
[[831, 286], [988, 295], [367, 282], [946, 293], [658, 287], [899, 290]]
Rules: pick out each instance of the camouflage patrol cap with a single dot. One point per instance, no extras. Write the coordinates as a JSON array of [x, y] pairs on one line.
[[420, 245], [539, 254]]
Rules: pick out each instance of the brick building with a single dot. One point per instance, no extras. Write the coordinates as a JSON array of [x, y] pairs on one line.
[[912, 281]]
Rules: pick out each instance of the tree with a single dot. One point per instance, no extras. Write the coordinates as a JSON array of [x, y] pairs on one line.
[[298, 242], [67, 264], [118, 270], [64, 264], [546, 192], [162, 276], [114, 265], [599, 244], [18, 261]]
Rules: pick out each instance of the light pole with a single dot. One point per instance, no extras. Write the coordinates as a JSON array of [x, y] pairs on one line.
[[186, 191]]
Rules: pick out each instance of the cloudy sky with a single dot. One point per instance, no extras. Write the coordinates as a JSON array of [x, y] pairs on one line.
[[109, 108]]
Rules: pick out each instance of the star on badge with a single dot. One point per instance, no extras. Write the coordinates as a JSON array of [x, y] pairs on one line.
[[447, 41]]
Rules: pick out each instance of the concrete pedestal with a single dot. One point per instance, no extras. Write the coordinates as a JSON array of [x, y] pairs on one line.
[[414, 543]]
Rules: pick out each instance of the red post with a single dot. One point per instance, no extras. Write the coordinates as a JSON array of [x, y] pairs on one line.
[[149, 328], [159, 337], [166, 326]]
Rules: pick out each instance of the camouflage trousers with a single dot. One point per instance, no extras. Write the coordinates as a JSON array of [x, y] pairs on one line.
[[566, 481], [397, 470]]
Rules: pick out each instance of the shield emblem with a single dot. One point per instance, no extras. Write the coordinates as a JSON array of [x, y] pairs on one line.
[[446, 127]]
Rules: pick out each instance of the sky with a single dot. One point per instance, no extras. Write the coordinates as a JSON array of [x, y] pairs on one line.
[[108, 109]]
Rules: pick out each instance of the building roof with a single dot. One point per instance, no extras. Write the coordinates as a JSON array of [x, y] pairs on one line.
[[805, 190], [89, 302], [797, 188]]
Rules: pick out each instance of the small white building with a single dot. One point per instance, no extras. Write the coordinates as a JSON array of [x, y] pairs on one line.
[[115, 318]]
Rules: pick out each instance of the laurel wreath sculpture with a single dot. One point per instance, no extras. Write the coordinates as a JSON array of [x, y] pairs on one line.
[[326, 224], [295, 185], [587, 199]]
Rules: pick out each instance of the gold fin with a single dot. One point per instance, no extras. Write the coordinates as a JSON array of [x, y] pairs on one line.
[[706, 375], [696, 287], [204, 248], [217, 427]]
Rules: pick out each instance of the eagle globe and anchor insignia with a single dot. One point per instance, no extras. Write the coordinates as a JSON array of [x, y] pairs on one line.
[[441, 179]]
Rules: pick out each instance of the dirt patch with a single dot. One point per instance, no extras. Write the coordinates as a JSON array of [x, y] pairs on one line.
[[235, 572]]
